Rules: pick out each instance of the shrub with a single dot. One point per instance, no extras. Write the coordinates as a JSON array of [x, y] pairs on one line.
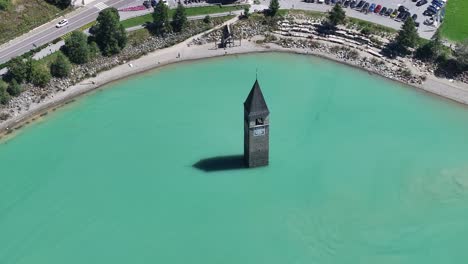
[[207, 19], [40, 74], [17, 69], [4, 4], [76, 47], [109, 33], [4, 96], [14, 88], [60, 67]]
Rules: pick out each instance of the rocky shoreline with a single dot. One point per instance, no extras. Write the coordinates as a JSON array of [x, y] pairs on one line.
[[257, 37]]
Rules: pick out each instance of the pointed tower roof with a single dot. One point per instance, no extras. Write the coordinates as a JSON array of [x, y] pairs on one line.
[[255, 104]]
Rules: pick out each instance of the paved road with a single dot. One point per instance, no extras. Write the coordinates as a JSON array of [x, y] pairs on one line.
[[49, 32]]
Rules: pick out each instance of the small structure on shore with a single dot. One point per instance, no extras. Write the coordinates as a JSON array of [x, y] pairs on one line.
[[256, 128], [227, 37]]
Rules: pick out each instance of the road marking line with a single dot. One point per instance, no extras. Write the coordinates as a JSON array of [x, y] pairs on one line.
[[101, 6]]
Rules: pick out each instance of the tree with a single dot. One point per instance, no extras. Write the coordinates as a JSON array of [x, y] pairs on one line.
[[179, 19], [207, 19], [40, 74], [161, 19], [109, 34], [407, 37], [4, 4], [76, 47], [336, 16], [17, 69], [93, 49], [461, 52], [14, 88], [246, 11], [4, 96], [273, 7], [431, 50], [60, 3], [61, 66]]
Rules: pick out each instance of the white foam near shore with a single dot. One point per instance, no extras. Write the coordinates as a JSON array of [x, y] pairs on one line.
[[185, 52]]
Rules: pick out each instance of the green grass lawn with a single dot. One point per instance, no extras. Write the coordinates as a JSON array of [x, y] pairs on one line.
[[192, 11], [24, 15], [455, 26]]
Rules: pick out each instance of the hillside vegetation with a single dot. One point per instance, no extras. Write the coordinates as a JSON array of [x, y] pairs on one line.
[[20, 16]]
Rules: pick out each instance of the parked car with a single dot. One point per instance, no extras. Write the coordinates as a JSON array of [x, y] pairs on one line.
[[360, 4], [371, 8], [437, 3], [429, 21], [394, 14], [62, 23], [416, 24], [421, 2], [353, 4], [406, 16], [383, 11], [400, 16], [365, 7], [428, 12], [377, 9], [414, 17], [327, 2], [402, 9], [389, 12], [433, 9], [347, 3], [147, 4], [333, 2]]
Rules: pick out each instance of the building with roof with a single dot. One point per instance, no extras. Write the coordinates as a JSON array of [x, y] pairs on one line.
[[256, 128]]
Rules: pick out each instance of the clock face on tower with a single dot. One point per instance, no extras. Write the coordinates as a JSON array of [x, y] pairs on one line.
[[259, 131]]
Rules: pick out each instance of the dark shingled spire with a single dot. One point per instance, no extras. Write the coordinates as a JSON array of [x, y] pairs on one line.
[[255, 104]]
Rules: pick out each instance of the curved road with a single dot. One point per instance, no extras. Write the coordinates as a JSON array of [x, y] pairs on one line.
[[49, 32]]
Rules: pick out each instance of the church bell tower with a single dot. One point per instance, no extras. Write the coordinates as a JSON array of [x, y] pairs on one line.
[[256, 128]]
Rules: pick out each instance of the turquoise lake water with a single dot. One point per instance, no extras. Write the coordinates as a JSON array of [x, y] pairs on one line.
[[362, 170]]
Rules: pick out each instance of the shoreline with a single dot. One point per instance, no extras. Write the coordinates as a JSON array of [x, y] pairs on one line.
[[190, 53]]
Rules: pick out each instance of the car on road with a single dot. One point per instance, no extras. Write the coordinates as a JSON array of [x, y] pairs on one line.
[[414, 17], [421, 2], [394, 14], [389, 12], [365, 7], [62, 23], [371, 8], [383, 11], [377, 9]]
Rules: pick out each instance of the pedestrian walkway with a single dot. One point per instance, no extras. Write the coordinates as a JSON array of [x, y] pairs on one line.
[[101, 6]]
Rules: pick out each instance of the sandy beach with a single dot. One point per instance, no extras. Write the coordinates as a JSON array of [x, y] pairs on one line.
[[455, 91]]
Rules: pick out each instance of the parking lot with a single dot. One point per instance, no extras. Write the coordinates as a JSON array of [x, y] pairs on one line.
[[424, 31]]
